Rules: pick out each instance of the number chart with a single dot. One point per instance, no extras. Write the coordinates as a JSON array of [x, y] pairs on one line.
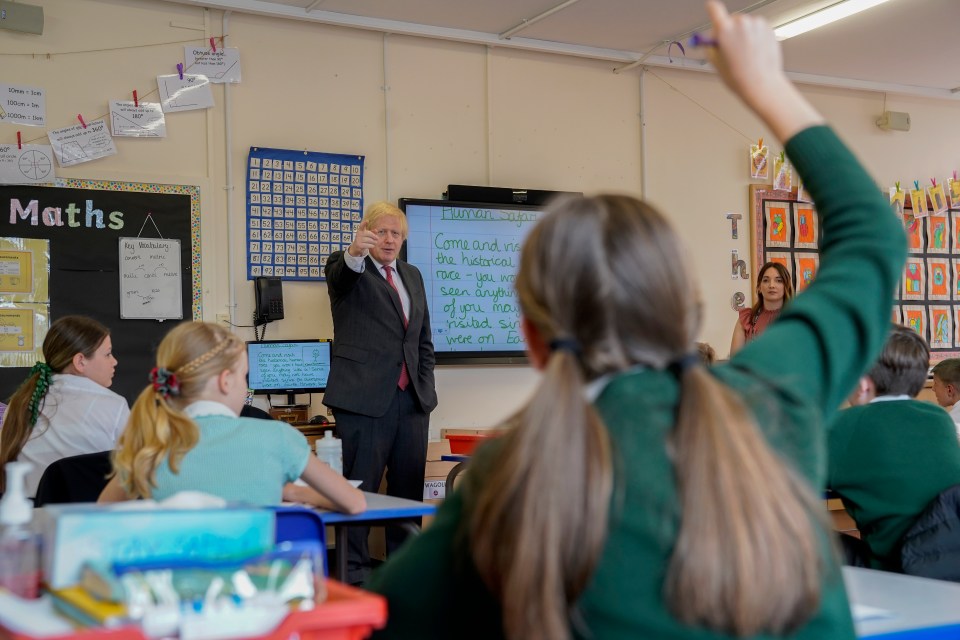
[[301, 206]]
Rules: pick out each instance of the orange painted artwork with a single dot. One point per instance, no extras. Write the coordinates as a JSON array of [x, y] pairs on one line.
[[940, 330], [913, 277], [806, 270], [916, 318], [807, 226], [939, 282], [937, 234], [914, 237], [956, 278], [777, 226]]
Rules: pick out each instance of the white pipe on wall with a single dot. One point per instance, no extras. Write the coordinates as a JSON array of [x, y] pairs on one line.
[[228, 185]]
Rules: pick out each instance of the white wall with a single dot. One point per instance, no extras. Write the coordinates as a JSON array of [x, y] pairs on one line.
[[428, 113]]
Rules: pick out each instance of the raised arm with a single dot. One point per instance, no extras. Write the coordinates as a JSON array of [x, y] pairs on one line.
[[828, 335], [748, 58]]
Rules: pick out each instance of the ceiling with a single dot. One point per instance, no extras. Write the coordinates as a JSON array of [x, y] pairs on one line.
[[903, 46]]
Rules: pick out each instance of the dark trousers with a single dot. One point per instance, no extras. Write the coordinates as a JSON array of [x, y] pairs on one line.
[[397, 442]]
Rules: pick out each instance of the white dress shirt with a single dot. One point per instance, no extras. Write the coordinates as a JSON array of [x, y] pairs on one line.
[[357, 264], [78, 416]]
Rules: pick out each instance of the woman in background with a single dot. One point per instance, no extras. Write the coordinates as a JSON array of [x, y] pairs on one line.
[[185, 434], [640, 494], [64, 408], [774, 289]]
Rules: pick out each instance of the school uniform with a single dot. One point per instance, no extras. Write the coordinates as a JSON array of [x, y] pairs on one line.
[[888, 460], [792, 377]]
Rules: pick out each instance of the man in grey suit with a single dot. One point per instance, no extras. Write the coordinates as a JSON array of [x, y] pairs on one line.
[[381, 386]]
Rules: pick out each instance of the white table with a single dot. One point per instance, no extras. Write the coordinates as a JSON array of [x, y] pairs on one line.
[[922, 609]]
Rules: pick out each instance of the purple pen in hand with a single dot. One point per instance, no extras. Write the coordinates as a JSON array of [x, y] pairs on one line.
[[700, 40]]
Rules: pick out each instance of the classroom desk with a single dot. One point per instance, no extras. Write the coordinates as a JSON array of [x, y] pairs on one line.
[[922, 609], [381, 510]]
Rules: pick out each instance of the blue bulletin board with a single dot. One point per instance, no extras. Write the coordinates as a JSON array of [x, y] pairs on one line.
[[301, 206]]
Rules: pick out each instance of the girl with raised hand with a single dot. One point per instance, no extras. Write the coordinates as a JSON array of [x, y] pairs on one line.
[[639, 494], [185, 433], [64, 407]]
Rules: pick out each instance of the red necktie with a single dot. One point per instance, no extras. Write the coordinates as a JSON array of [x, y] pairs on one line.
[[404, 376]]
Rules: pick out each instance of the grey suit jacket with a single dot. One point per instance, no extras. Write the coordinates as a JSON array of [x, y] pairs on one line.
[[370, 342]]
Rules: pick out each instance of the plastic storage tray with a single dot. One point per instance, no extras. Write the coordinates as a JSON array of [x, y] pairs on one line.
[[347, 614]]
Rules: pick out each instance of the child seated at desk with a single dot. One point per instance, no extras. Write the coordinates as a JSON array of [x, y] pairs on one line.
[[184, 433], [639, 493], [890, 455], [64, 407]]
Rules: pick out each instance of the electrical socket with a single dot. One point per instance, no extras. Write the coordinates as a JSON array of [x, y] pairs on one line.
[[223, 318]]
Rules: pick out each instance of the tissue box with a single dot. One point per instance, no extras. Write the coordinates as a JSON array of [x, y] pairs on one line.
[[74, 534]]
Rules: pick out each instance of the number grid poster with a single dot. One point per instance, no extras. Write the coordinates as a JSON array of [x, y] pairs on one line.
[[928, 296], [301, 206]]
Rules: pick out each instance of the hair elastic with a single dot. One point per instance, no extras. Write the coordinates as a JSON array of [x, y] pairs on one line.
[[164, 382], [680, 365], [44, 378], [565, 344]]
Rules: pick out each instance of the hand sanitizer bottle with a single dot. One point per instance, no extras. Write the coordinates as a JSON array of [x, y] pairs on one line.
[[330, 450], [19, 547]]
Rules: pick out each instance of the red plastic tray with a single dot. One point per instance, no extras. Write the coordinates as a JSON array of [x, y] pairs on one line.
[[464, 444], [347, 614]]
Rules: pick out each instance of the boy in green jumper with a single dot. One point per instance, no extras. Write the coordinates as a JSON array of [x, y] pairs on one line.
[[890, 455]]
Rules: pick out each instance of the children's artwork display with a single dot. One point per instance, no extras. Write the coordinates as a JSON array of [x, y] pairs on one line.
[[301, 206], [788, 231]]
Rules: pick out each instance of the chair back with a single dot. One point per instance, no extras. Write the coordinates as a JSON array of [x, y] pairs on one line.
[[74, 479], [302, 524], [931, 547]]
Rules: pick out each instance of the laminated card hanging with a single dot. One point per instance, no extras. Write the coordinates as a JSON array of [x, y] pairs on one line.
[[150, 282]]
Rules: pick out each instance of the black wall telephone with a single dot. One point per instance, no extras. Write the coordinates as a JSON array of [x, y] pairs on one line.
[[269, 300]]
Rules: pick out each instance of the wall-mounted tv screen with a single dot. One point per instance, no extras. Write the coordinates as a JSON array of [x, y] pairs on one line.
[[469, 254], [288, 366]]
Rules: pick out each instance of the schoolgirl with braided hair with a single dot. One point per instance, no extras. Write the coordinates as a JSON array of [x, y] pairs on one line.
[[64, 407], [185, 433]]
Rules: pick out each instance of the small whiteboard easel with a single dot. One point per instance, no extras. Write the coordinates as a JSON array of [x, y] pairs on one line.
[[150, 284]]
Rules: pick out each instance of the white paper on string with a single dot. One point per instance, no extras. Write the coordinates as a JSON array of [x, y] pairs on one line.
[[192, 92], [76, 144], [132, 121], [33, 164], [220, 67], [23, 105]]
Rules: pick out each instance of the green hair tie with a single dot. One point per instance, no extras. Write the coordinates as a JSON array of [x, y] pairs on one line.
[[44, 377]]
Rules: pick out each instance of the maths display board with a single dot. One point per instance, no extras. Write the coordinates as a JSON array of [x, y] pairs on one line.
[[469, 254], [301, 207], [83, 221], [928, 295]]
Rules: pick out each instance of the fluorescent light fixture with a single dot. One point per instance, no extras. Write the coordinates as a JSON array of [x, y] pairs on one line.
[[834, 12]]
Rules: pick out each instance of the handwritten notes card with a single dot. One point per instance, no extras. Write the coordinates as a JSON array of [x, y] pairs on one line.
[[150, 284]]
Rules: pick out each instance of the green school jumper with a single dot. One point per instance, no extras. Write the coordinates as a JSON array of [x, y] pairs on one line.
[[793, 377], [889, 460]]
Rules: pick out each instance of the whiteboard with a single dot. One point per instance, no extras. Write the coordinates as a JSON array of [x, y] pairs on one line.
[[150, 285]]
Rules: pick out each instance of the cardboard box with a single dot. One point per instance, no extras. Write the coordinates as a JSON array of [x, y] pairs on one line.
[[74, 534]]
